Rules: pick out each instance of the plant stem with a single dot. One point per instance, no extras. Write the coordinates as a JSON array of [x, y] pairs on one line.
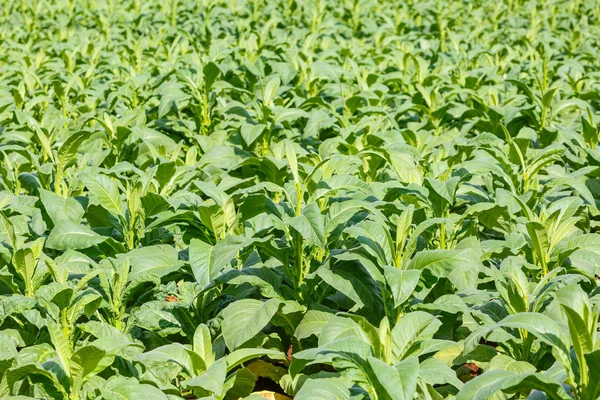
[[299, 253], [442, 236], [174, 12], [65, 325], [29, 287], [58, 180]]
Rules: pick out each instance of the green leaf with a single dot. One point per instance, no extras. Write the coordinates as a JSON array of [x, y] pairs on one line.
[[350, 326], [410, 331], [590, 131], [239, 384], [251, 132], [289, 114], [35, 374], [403, 228], [240, 356], [45, 142], [7, 227], [60, 209], [290, 155], [583, 342], [317, 121], [491, 382], [350, 350], [398, 382], [169, 360], [506, 363], [165, 172], [207, 261], [69, 235], [402, 283], [119, 388], [61, 344], [83, 362], [25, 263], [592, 391], [312, 323], [104, 191], [212, 380], [244, 319], [324, 389], [375, 239], [540, 240], [68, 150], [540, 325], [542, 160], [461, 267], [158, 260], [202, 262], [202, 345], [270, 90], [354, 282], [441, 194], [211, 73], [435, 372], [311, 225]]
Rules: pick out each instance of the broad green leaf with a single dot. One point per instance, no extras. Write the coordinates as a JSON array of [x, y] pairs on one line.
[[342, 327], [353, 281], [251, 132], [35, 374], [540, 240], [83, 362], [61, 344], [491, 382], [69, 235], [402, 283], [244, 319], [173, 357], [60, 209], [375, 239], [350, 352], [25, 263], [158, 260], [435, 372], [398, 382], [9, 230], [592, 391], [119, 388], [239, 384], [323, 388], [311, 225], [240, 356], [541, 326], [211, 73], [202, 345], [410, 331], [202, 261], [312, 323], [207, 261], [104, 191], [506, 363], [461, 267], [317, 121], [68, 150], [212, 380], [290, 155]]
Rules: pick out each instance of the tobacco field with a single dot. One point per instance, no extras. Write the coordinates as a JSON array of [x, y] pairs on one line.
[[299, 199]]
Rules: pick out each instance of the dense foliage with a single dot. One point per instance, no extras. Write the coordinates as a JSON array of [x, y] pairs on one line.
[[325, 199]]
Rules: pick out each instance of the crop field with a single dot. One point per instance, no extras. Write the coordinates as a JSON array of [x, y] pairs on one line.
[[299, 199]]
